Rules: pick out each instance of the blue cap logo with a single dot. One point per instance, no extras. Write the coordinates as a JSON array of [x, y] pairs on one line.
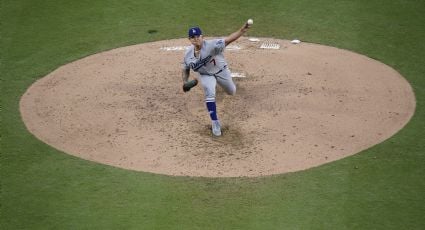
[[195, 31]]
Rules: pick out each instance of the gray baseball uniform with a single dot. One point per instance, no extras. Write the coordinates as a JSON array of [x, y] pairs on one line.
[[211, 66]]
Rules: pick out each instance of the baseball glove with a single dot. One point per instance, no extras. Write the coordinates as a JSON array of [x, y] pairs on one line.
[[189, 85]]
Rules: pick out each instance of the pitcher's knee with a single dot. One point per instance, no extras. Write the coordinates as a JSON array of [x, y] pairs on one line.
[[231, 91]]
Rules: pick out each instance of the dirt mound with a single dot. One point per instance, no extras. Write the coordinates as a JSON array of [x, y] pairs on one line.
[[297, 106]]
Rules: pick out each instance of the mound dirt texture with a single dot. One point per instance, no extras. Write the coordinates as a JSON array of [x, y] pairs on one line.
[[297, 106]]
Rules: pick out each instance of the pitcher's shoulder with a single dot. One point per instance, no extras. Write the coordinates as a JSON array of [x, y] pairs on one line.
[[188, 49]]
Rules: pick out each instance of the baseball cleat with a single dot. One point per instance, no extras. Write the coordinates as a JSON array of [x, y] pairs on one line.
[[216, 128]]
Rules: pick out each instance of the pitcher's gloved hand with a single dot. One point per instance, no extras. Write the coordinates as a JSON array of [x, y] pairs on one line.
[[190, 84]]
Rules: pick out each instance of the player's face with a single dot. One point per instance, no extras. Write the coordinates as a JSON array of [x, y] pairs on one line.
[[196, 40]]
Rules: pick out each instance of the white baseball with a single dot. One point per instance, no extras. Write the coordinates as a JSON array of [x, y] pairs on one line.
[[250, 22]]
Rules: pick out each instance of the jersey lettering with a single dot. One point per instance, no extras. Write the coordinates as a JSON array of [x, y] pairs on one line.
[[200, 63]]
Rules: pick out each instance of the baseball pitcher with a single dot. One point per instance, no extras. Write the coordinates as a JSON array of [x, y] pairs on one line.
[[206, 58]]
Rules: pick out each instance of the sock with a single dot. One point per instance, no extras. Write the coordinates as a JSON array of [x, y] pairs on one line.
[[212, 110]]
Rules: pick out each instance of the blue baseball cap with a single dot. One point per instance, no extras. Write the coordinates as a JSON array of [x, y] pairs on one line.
[[195, 31]]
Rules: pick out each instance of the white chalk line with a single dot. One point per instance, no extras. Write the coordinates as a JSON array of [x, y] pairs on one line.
[[174, 48], [238, 75]]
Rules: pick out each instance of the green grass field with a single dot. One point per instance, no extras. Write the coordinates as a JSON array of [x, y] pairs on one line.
[[42, 188]]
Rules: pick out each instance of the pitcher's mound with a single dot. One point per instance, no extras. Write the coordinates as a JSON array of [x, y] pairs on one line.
[[296, 107]]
